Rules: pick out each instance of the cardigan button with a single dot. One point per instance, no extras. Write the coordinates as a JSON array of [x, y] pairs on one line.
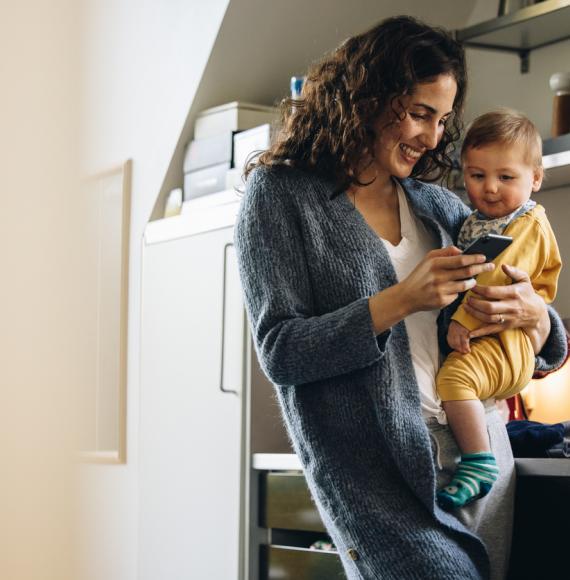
[[352, 554]]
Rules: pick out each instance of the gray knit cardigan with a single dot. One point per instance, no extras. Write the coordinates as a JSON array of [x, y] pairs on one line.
[[308, 264]]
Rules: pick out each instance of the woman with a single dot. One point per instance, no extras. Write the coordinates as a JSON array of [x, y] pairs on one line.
[[346, 262]]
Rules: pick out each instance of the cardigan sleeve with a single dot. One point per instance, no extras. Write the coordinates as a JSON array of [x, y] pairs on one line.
[[294, 345], [555, 351]]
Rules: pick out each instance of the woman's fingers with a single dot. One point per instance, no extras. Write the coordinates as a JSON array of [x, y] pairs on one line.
[[461, 267], [515, 274], [520, 280], [453, 262], [493, 312], [484, 306], [456, 287], [487, 312], [492, 293], [487, 329], [442, 252], [472, 271], [446, 293]]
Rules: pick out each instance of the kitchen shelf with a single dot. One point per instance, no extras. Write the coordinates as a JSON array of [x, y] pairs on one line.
[[556, 162], [521, 31]]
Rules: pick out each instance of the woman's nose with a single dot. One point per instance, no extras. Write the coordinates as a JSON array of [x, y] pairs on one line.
[[432, 135]]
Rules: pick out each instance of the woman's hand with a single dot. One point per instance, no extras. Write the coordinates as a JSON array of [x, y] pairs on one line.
[[513, 306], [434, 283], [439, 278]]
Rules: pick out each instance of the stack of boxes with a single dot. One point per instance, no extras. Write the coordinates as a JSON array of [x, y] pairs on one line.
[[224, 137]]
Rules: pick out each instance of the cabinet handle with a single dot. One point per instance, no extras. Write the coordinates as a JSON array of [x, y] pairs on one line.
[[232, 312]]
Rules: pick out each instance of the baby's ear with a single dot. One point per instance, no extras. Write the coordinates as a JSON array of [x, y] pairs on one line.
[[537, 178]]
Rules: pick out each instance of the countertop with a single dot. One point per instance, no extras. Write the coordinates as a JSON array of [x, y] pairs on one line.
[[525, 467]]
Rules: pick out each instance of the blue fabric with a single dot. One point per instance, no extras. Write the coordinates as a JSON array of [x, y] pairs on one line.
[[308, 264], [533, 439]]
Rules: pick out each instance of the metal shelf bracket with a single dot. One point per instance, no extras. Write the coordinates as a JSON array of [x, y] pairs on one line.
[[525, 60]]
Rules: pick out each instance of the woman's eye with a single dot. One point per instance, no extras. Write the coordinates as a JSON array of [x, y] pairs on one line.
[[417, 116]]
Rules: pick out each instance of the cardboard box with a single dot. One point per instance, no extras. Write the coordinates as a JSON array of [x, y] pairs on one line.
[[235, 116], [251, 141], [204, 181], [201, 153]]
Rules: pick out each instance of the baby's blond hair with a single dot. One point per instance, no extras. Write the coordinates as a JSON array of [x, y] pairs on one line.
[[508, 127]]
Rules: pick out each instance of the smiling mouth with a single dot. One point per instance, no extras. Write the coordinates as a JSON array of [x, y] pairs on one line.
[[410, 152]]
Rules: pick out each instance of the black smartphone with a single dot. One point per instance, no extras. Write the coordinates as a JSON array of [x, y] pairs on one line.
[[491, 245]]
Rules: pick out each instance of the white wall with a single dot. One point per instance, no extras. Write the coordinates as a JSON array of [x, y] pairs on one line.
[[495, 80], [41, 342], [144, 59]]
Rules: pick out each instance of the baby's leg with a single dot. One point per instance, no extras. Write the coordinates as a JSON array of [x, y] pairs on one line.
[[477, 470], [460, 384], [495, 367], [467, 421]]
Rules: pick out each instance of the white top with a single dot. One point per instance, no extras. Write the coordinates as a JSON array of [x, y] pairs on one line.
[[416, 242]]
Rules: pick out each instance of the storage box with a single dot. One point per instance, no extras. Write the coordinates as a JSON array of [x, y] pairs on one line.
[[251, 141], [209, 151], [234, 116], [235, 179], [204, 181]]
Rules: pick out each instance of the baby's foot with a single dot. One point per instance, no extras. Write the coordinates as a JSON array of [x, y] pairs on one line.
[[472, 480]]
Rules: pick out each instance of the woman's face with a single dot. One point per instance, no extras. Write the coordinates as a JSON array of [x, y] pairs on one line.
[[400, 144]]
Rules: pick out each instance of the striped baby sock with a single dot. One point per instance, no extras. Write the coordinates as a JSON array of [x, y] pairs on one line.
[[472, 479]]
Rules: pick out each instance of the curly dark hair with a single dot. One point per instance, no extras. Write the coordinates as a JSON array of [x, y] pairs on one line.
[[330, 128]]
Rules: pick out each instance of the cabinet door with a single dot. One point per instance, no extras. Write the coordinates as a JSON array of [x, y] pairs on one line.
[[191, 437]]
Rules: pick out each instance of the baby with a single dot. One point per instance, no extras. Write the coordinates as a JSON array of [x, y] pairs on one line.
[[502, 165]]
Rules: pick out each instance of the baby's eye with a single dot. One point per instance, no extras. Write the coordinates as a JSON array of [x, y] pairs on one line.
[[506, 177], [476, 176]]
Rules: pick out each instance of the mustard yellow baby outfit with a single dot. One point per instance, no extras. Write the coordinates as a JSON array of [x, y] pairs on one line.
[[501, 365]]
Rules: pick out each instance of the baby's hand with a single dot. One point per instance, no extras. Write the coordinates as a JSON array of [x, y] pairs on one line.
[[458, 337]]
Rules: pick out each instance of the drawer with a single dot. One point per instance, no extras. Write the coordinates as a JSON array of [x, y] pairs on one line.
[[285, 563], [286, 503]]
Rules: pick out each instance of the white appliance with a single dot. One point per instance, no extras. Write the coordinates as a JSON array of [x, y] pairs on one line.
[[192, 445]]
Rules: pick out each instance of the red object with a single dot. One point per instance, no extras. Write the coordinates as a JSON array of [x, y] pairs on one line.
[[517, 412]]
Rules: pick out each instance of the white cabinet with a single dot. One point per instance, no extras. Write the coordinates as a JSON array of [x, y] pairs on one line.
[[191, 410]]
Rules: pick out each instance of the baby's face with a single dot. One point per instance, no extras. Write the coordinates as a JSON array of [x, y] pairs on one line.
[[499, 179]]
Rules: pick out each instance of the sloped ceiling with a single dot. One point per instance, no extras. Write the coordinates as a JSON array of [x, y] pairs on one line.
[[262, 43]]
